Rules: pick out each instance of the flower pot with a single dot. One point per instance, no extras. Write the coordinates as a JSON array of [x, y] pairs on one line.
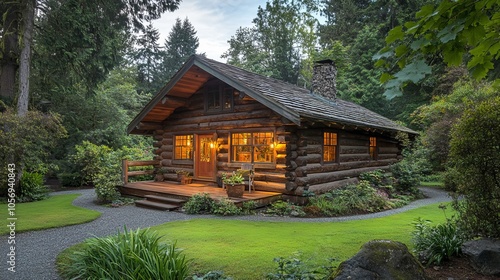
[[235, 190], [186, 180]]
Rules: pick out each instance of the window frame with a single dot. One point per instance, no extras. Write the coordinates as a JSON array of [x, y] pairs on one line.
[[224, 93], [373, 147], [175, 140], [336, 147], [253, 146]]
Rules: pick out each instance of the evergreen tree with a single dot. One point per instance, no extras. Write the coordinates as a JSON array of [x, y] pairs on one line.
[[180, 44], [148, 58]]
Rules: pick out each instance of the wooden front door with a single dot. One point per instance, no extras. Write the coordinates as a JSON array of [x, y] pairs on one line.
[[205, 157]]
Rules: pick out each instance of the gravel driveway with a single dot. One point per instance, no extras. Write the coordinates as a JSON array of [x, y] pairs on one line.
[[36, 251]]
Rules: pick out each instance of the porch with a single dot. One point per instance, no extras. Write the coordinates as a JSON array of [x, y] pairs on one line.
[[175, 194]]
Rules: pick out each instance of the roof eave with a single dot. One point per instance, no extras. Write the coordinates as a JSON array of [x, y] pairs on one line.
[[163, 91]]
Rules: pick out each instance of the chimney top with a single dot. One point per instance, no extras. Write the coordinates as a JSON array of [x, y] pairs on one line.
[[324, 79]]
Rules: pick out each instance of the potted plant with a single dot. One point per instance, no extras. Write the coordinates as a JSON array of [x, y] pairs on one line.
[[184, 177], [234, 184]]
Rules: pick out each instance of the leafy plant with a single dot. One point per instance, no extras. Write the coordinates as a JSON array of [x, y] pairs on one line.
[[292, 268], [32, 187], [225, 207], [377, 178], [200, 203], [234, 179], [248, 207], [284, 208], [407, 177], [433, 244], [212, 275], [351, 199], [129, 255]]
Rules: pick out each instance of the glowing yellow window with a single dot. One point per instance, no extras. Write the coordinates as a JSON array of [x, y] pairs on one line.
[[183, 146], [329, 147]]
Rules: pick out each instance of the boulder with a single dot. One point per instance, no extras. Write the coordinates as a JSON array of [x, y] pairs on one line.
[[381, 259], [484, 255]]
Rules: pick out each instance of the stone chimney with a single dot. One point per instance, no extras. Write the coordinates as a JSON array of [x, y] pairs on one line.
[[324, 79]]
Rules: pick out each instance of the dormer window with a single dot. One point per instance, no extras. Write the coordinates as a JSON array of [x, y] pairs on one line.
[[218, 98]]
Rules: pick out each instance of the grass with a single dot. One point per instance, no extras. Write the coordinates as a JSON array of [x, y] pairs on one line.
[[246, 249], [56, 211]]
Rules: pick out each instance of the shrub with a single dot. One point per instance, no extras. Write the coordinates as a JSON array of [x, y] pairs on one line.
[[284, 208], [433, 244], [32, 187], [101, 165], [377, 178], [248, 207], [27, 142], [407, 176], [129, 255], [475, 157], [212, 275], [293, 268], [351, 199], [225, 207], [89, 159], [200, 203]]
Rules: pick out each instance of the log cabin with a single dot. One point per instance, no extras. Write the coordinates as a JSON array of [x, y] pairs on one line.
[[211, 118]]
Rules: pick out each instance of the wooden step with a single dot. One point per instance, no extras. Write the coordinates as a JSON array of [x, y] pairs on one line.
[[164, 199], [156, 205]]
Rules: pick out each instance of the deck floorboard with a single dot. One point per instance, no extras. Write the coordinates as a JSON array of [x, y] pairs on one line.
[[175, 189]]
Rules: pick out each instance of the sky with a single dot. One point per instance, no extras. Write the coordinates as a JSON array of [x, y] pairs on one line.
[[215, 21]]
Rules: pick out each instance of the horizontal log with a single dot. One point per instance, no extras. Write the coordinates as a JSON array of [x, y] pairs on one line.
[[269, 186], [353, 149], [326, 187], [142, 162], [354, 157], [320, 178], [308, 159], [389, 150], [140, 172], [167, 155], [325, 168]]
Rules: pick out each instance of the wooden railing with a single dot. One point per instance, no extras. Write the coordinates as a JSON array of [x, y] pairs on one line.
[[126, 164]]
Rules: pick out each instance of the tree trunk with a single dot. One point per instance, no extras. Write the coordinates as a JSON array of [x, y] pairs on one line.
[[25, 59], [10, 53]]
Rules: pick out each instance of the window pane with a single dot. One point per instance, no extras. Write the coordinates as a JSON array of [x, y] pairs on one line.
[[213, 100], [329, 146], [228, 99], [373, 148], [253, 147], [183, 147]]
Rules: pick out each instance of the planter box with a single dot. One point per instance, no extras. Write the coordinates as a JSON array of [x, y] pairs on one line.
[[235, 190], [186, 180]]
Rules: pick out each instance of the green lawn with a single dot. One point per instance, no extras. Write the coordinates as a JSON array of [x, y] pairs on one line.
[[245, 250], [56, 211]]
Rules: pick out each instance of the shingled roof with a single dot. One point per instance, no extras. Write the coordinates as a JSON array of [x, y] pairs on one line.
[[290, 101]]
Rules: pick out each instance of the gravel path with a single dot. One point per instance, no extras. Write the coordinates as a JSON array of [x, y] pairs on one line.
[[36, 251]]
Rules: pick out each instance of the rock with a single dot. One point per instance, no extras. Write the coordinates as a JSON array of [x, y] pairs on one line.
[[381, 259], [484, 255]]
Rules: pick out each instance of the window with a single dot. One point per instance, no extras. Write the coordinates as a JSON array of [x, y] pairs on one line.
[[329, 147], [373, 148], [252, 147], [218, 98], [183, 147]]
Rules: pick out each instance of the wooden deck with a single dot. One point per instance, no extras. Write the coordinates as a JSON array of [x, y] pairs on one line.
[[176, 190]]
